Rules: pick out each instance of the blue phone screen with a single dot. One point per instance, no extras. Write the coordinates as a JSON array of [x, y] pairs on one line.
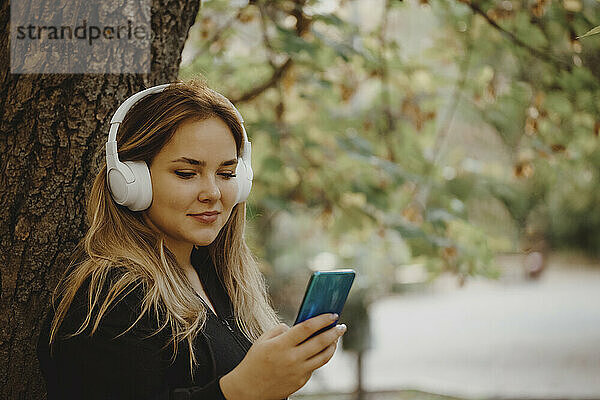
[[326, 293]]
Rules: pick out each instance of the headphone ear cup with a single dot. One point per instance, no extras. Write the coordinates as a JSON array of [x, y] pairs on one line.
[[244, 180], [140, 190], [135, 194], [117, 184]]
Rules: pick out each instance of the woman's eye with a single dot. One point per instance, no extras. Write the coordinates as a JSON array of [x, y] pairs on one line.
[[187, 175], [228, 175], [184, 175]]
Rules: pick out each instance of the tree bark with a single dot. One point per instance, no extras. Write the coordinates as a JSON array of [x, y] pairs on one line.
[[53, 128]]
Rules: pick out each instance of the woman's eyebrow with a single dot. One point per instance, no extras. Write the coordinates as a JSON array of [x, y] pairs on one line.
[[192, 161], [233, 161]]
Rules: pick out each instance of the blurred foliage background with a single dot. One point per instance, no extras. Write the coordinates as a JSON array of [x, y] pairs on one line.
[[407, 139]]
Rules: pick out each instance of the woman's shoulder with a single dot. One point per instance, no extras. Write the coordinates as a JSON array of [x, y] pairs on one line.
[[116, 284], [114, 300]]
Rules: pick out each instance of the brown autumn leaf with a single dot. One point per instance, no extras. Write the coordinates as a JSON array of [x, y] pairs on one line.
[[504, 11], [279, 110], [492, 14], [413, 214], [429, 115], [543, 154], [411, 109], [449, 253], [289, 79], [246, 17], [347, 91], [490, 90], [538, 8], [524, 169], [539, 100], [530, 126]]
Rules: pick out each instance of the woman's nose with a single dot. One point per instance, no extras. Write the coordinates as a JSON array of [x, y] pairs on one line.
[[208, 190]]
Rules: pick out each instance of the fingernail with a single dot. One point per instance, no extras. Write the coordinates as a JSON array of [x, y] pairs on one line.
[[341, 328], [334, 317]]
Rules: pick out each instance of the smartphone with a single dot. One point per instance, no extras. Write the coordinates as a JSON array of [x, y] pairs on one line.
[[326, 292]]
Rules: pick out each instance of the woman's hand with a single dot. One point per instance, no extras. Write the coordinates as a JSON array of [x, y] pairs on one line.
[[282, 360]]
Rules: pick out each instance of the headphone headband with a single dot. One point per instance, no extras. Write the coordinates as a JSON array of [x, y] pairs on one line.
[[127, 104]]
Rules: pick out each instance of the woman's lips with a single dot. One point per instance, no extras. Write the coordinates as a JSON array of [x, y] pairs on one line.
[[205, 218]]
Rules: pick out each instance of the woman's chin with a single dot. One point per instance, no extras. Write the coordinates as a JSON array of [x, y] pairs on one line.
[[204, 239]]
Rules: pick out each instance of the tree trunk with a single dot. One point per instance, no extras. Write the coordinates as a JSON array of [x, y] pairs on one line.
[[51, 143]]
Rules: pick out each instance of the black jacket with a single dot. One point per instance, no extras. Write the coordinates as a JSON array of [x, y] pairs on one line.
[[133, 365]]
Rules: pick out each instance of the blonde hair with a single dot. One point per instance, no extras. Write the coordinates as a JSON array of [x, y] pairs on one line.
[[118, 240]]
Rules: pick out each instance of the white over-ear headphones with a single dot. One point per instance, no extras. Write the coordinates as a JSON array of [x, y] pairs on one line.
[[129, 182]]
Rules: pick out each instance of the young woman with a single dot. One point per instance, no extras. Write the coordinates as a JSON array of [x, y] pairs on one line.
[[164, 299]]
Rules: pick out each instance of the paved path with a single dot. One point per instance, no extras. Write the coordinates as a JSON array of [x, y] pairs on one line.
[[508, 338]]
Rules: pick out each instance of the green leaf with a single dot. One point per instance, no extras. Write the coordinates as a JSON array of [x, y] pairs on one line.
[[272, 164], [435, 215], [591, 32], [293, 44], [330, 19]]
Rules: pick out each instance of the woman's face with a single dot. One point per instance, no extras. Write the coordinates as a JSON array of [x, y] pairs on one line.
[[194, 174]]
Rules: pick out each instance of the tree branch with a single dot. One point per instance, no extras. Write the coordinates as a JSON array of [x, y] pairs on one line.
[[302, 26], [266, 40], [217, 35], [390, 123], [551, 59], [255, 92]]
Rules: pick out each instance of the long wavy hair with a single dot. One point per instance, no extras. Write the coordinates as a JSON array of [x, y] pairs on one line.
[[118, 240]]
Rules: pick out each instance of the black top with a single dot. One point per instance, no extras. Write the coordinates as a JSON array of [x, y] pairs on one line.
[[134, 366]]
